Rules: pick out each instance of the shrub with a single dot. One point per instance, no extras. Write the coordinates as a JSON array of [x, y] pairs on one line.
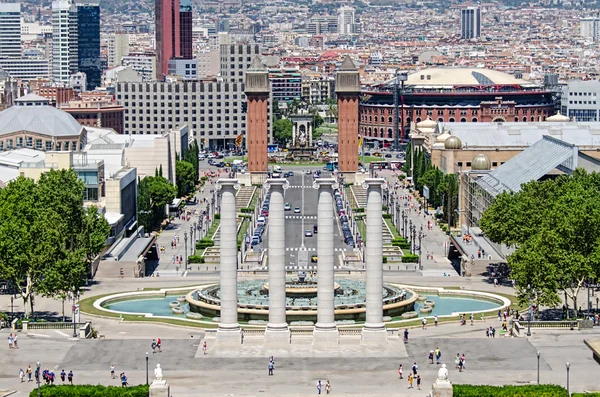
[[401, 177], [401, 244], [384, 259], [247, 210], [509, 391], [205, 243], [195, 259], [91, 391], [204, 178], [410, 258], [217, 216], [357, 210], [384, 208], [387, 216]]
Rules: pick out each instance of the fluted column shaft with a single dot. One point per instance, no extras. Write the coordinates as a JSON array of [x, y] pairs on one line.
[[276, 225], [325, 252], [374, 253], [228, 254]]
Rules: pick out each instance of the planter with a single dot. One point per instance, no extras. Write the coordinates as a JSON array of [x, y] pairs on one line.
[[181, 299], [410, 315], [177, 310], [429, 303], [426, 309], [421, 298], [174, 304], [193, 316]]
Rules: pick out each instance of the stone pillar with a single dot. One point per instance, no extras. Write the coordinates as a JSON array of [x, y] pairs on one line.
[[277, 331], [325, 332], [374, 331], [257, 91], [229, 331], [347, 89]]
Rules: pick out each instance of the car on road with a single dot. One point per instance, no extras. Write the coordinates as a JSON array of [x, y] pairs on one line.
[[308, 233], [377, 154], [261, 220], [367, 153], [265, 213], [315, 229], [287, 207], [255, 241], [400, 156], [388, 156], [343, 218], [290, 173], [314, 258], [308, 172], [349, 241], [297, 210]]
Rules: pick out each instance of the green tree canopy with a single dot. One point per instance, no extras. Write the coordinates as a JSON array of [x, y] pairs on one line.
[[282, 131], [553, 225], [154, 193], [185, 178]]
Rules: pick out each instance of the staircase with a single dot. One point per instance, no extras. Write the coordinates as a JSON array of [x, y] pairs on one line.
[[359, 197]]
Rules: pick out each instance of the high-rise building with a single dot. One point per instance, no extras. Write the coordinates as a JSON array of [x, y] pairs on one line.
[[236, 59], [346, 20], [10, 30], [580, 100], [286, 84], [64, 40], [88, 50], [185, 29], [167, 29], [589, 28], [470, 23], [118, 47]]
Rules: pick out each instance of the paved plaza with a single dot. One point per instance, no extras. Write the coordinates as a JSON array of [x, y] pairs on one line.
[[353, 369]]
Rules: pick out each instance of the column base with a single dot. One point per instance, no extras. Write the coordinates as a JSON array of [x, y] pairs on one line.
[[277, 335], [374, 335], [326, 335], [258, 178], [441, 388], [160, 388], [245, 179], [230, 335], [360, 177]]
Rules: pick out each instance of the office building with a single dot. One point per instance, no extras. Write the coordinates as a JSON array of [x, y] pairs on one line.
[[144, 64], [346, 20], [470, 23], [185, 29], [96, 109], [26, 69], [186, 69], [317, 89], [88, 44], [322, 24], [64, 40], [10, 30], [118, 47], [286, 84], [589, 28], [580, 100], [236, 59], [167, 32]]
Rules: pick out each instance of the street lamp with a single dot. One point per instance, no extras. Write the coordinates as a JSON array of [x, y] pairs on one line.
[[538, 371], [191, 239], [529, 317], [402, 224], [420, 250], [74, 313], [146, 368], [195, 235], [185, 250], [568, 368], [37, 377]]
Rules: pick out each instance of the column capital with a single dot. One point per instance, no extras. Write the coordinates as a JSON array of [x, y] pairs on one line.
[[226, 182], [374, 183], [277, 182], [325, 182]]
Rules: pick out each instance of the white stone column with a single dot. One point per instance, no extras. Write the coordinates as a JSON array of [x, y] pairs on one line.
[[294, 131], [374, 330], [229, 331], [277, 331], [325, 332]]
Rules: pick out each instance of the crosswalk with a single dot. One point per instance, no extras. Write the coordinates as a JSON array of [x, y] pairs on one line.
[[300, 187], [311, 249], [300, 217], [313, 267]]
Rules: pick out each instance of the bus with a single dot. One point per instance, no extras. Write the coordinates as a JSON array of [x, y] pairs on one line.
[[331, 166]]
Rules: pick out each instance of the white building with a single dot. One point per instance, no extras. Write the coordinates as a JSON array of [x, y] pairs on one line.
[[580, 100], [470, 23], [187, 69], [64, 40], [145, 64], [589, 28], [26, 68], [346, 20], [118, 47], [10, 30]]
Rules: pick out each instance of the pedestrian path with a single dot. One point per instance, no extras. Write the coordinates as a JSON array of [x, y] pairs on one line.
[[300, 217], [314, 249], [307, 267]]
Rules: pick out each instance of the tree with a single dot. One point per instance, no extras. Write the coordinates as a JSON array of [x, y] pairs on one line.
[[154, 193], [282, 131], [185, 177], [553, 226]]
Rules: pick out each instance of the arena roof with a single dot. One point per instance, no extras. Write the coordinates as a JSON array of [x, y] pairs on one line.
[[452, 77]]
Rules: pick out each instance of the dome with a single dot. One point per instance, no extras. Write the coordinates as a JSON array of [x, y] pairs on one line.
[[453, 143], [42, 120], [428, 123], [481, 162], [442, 137], [557, 118]]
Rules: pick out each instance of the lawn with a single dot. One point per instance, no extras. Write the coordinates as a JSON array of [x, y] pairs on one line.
[[362, 229], [392, 227]]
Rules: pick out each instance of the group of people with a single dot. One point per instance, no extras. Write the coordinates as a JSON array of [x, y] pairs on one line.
[[437, 354], [413, 376], [47, 375], [13, 341], [320, 387], [459, 362], [156, 344]]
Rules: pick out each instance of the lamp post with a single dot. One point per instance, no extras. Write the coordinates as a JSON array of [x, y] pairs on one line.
[[185, 250], [420, 250], [74, 313], [529, 317], [146, 368], [413, 238], [191, 239], [37, 378], [538, 368], [402, 226], [195, 235], [404, 229], [568, 368]]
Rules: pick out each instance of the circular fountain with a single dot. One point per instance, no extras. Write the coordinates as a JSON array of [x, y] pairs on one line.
[[301, 300]]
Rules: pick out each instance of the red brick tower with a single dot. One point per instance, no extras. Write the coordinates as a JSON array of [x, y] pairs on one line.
[[257, 120], [347, 89]]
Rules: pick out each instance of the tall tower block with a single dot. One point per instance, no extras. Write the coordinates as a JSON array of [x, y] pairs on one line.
[[257, 120], [347, 89]]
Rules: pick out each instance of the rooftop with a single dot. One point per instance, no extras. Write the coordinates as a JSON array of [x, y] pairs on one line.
[[44, 120]]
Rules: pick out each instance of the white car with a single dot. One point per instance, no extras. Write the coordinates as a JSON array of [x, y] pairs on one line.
[[308, 233], [287, 207], [297, 210]]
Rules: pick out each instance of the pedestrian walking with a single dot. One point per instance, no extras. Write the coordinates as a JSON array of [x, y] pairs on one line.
[[70, 377], [153, 346], [28, 372], [418, 382], [410, 381], [472, 316], [319, 386], [400, 371], [457, 361], [463, 360], [112, 371], [435, 320], [406, 335], [415, 367], [487, 332], [21, 375], [204, 347], [493, 332], [16, 341], [158, 345], [10, 341], [424, 322], [271, 367], [438, 356], [430, 356], [63, 375], [327, 387], [123, 379]]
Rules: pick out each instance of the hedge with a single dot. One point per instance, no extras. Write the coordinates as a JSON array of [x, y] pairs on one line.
[[509, 391], [91, 391], [401, 244], [247, 210], [585, 395], [384, 259], [204, 178], [384, 208], [205, 243], [358, 209], [195, 259], [217, 216], [410, 258], [387, 216]]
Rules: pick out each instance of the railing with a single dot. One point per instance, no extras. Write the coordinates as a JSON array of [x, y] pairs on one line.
[[50, 325], [254, 332], [350, 331], [570, 324]]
